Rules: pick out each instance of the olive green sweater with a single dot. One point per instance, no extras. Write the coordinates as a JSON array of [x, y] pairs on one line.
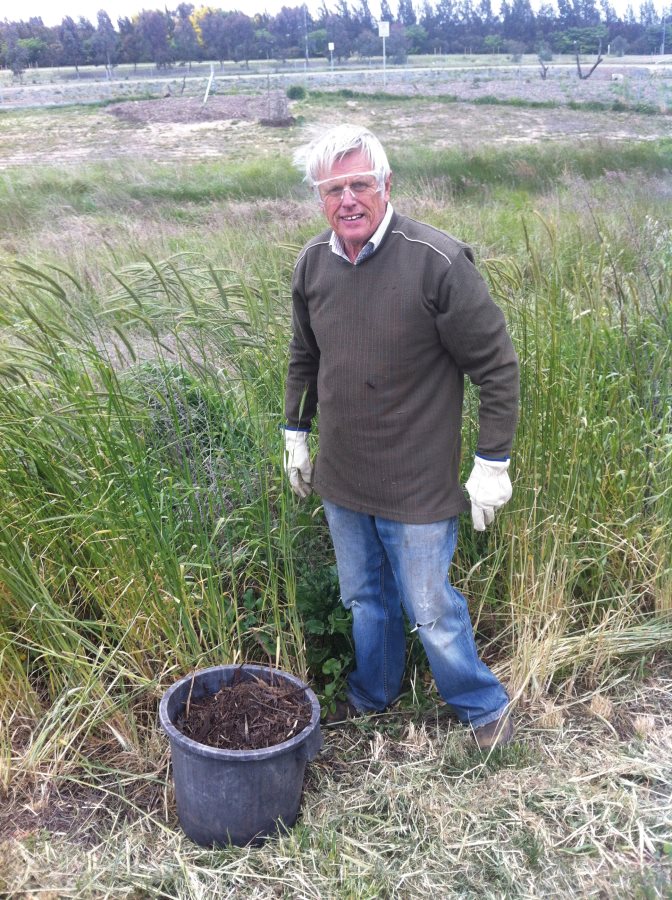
[[383, 347]]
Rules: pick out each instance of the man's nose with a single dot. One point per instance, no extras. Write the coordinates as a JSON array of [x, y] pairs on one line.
[[348, 195]]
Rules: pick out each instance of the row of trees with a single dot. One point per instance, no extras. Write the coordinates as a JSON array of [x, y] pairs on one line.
[[189, 34]]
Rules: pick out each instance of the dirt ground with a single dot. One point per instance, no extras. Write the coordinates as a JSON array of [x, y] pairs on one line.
[[181, 128], [189, 110]]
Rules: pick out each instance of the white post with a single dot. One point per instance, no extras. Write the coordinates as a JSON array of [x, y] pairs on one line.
[[331, 57], [207, 90], [384, 32]]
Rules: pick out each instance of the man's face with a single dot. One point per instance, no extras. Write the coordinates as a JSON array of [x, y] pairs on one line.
[[353, 214]]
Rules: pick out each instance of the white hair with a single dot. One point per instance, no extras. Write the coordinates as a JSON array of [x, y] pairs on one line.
[[318, 157]]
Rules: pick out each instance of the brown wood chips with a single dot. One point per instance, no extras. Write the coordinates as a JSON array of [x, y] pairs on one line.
[[247, 715]]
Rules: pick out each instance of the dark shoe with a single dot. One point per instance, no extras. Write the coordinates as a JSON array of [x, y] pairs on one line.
[[343, 711], [495, 734]]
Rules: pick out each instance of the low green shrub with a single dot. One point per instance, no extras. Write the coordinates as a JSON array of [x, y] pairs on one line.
[[296, 92]]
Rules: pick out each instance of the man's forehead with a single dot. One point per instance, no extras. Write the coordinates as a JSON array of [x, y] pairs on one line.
[[353, 162]]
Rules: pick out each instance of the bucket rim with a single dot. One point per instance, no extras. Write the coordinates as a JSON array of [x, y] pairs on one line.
[[174, 733]]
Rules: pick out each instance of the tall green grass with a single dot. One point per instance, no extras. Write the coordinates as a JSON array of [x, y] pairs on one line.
[[586, 548], [26, 196], [145, 527], [188, 192], [533, 168]]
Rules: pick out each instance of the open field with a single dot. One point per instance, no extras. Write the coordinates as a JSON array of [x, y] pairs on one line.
[[464, 104], [173, 129], [629, 80], [145, 528]]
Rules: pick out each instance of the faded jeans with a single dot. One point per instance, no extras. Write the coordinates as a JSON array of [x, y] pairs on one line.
[[385, 568]]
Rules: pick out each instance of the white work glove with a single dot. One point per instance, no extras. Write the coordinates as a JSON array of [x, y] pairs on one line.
[[298, 466], [489, 488]]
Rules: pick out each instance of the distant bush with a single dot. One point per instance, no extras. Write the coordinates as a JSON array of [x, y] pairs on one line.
[[544, 52], [515, 49], [296, 92]]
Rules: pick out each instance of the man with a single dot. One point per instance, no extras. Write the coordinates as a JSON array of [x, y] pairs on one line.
[[388, 316]]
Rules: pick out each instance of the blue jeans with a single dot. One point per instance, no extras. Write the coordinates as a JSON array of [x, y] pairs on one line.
[[385, 568]]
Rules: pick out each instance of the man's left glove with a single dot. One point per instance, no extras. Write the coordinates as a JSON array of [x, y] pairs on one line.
[[489, 488], [298, 466]]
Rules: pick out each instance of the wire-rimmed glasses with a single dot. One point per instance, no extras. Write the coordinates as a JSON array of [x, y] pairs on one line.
[[359, 184]]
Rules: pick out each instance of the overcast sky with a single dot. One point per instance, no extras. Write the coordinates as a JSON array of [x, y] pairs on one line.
[[53, 11]]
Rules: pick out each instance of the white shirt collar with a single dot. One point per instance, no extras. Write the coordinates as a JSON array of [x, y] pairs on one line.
[[336, 243]]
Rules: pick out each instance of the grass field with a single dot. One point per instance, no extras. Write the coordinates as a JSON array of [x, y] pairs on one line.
[[146, 529]]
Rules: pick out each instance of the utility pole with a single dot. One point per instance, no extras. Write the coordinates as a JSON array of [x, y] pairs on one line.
[[384, 32], [662, 46], [305, 30]]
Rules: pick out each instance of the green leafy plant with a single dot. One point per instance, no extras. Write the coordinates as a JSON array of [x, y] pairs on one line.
[[296, 92], [328, 628]]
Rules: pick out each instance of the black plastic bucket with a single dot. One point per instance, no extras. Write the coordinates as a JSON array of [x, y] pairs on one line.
[[236, 796]]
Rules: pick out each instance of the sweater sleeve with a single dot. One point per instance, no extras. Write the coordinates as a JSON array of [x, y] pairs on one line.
[[473, 330], [304, 361]]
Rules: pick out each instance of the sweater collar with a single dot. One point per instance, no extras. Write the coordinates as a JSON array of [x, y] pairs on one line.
[[336, 244]]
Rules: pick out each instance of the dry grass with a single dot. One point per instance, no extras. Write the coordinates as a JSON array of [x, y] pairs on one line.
[[394, 807]]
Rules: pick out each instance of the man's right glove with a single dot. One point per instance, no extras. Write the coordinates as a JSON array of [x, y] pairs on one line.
[[489, 487], [298, 466]]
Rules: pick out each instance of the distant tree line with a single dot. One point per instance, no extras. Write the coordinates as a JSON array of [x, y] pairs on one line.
[[189, 34]]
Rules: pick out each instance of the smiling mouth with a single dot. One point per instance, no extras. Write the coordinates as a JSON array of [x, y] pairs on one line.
[[352, 218]]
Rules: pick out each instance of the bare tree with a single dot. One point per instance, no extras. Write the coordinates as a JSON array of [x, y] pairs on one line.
[[593, 67]]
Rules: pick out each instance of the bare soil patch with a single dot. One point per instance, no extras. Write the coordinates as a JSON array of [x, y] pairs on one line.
[[469, 125], [192, 109]]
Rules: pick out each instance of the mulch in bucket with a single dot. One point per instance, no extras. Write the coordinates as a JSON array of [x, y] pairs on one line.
[[249, 714]]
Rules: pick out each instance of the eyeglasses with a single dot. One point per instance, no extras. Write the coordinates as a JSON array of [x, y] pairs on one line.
[[363, 184]]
